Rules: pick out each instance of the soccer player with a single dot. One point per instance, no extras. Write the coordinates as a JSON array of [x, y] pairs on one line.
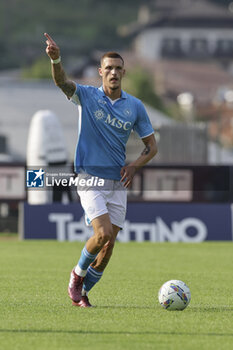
[[108, 115]]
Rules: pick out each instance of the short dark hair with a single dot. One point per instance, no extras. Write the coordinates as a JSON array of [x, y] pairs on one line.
[[111, 54]]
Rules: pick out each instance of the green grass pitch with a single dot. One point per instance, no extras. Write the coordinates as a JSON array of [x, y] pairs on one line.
[[36, 313]]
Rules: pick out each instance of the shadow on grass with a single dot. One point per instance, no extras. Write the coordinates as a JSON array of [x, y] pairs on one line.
[[192, 308], [125, 307], [211, 308], [79, 331]]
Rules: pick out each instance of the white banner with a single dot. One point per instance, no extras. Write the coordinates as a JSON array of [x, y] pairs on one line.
[[12, 182]]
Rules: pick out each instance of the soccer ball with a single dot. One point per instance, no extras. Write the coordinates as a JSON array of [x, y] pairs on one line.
[[174, 295]]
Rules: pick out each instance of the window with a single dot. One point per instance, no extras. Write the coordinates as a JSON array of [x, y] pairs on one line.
[[199, 48], [171, 47], [224, 48]]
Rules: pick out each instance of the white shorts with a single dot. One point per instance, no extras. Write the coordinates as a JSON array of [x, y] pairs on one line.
[[110, 199]]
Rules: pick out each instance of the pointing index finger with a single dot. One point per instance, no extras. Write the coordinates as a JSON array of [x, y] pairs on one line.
[[51, 41]]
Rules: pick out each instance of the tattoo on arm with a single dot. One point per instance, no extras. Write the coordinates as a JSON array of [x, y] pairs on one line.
[[146, 151], [60, 79], [68, 88]]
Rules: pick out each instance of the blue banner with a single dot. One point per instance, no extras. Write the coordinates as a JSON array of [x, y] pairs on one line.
[[148, 221]]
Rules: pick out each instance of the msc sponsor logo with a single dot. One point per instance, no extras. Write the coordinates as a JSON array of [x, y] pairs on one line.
[[117, 123]]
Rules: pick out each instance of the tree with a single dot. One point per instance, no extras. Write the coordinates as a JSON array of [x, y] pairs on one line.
[[140, 84]]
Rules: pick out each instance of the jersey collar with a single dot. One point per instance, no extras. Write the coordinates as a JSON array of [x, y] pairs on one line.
[[123, 93]]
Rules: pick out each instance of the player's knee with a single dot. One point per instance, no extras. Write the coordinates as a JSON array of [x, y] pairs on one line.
[[103, 235]]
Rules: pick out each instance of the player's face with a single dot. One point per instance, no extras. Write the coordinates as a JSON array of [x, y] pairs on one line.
[[112, 72]]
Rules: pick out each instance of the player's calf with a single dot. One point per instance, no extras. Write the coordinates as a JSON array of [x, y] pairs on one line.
[[104, 256]]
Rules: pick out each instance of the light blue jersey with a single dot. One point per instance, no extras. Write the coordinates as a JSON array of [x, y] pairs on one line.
[[104, 129]]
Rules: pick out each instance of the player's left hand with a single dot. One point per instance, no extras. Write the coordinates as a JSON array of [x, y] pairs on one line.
[[127, 174]]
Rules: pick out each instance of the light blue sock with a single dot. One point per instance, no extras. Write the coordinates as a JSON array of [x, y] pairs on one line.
[[91, 278], [86, 259]]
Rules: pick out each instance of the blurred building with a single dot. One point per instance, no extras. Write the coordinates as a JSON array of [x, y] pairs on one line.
[[167, 133], [16, 118], [187, 46], [182, 29]]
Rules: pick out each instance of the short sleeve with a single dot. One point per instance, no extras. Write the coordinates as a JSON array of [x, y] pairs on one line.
[[81, 93], [142, 124]]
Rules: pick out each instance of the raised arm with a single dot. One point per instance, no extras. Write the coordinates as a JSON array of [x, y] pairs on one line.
[[58, 73], [128, 172]]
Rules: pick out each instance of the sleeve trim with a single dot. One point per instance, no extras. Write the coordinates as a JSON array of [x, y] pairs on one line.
[[142, 137], [75, 98]]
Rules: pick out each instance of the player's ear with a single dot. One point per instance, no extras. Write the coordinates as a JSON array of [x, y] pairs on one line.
[[100, 71], [123, 72]]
